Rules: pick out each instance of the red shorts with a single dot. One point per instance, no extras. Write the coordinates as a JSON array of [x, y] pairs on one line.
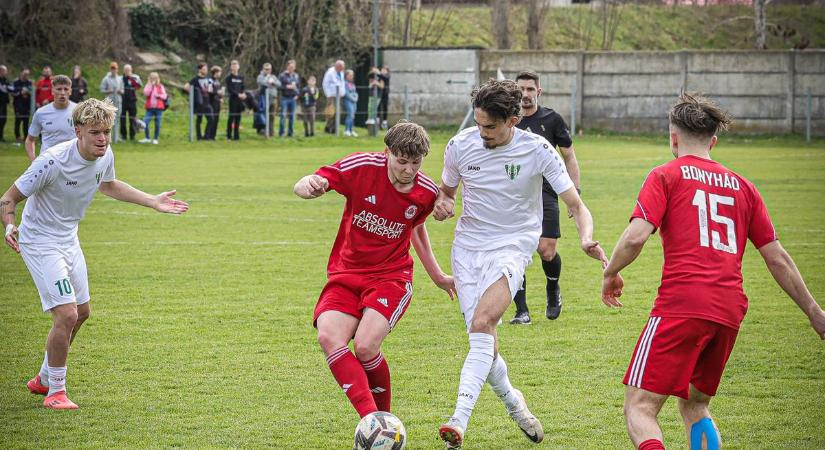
[[350, 294], [673, 353]]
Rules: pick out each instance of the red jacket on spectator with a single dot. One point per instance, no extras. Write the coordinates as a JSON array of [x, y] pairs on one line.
[[43, 93]]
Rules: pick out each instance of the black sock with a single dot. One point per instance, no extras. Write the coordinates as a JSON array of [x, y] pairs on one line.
[[521, 298], [552, 270]]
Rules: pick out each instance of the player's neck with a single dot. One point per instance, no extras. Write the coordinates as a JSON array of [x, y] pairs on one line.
[[698, 152], [529, 112]]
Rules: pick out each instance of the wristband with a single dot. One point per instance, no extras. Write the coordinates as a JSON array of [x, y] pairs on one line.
[[9, 229]]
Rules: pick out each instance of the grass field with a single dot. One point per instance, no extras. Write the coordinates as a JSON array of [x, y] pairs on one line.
[[200, 335]]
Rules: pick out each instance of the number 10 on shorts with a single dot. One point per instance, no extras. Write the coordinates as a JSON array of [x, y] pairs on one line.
[[64, 287]]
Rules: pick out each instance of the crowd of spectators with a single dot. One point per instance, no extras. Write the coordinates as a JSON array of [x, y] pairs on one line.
[[287, 91]]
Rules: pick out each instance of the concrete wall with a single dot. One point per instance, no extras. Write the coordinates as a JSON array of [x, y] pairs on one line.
[[631, 91]]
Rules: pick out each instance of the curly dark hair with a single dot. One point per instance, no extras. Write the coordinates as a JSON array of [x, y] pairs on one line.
[[698, 115], [500, 99]]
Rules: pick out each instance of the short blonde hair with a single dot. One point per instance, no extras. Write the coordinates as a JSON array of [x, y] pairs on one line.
[[95, 112], [155, 76]]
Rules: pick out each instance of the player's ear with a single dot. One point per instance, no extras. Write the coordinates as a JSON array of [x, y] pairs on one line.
[[713, 141]]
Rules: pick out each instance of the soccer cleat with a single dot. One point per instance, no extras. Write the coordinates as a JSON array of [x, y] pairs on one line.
[[554, 305], [36, 387], [452, 433], [522, 318], [529, 424], [58, 400]]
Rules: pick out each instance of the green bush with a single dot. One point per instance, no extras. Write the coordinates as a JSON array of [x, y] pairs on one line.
[[148, 25]]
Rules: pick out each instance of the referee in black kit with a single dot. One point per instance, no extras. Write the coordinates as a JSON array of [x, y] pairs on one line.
[[550, 125]]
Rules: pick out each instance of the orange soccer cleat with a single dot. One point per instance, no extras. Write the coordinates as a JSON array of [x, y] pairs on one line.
[[58, 400], [36, 387]]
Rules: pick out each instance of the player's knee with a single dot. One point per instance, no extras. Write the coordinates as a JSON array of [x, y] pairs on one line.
[[483, 323], [329, 341], [366, 349], [693, 411], [704, 431], [547, 250], [64, 318], [83, 314]]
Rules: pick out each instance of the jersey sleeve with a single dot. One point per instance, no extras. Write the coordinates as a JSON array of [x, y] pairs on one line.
[[339, 180], [42, 171], [652, 201], [561, 133], [552, 167], [109, 170], [760, 230], [35, 128], [450, 175]]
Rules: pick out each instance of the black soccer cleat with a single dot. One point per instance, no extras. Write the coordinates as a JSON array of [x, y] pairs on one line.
[[522, 318], [554, 305]]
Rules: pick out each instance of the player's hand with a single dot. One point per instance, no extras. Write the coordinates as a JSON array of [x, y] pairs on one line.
[[595, 251], [447, 283], [818, 322], [316, 186], [612, 290], [443, 208], [11, 238], [166, 204]]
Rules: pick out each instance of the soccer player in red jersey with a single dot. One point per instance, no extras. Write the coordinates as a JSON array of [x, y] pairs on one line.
[[370, 270], [705, 213]]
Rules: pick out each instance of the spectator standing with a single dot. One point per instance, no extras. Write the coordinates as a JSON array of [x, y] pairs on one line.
[[112, 86], [309, 98], [131, 86], [156, 99], [333, 85], [234, 83], [79, 86], [215, 99], [385, 96], [290, 87], [350, 102], [53, 122], [4, 99], [376, 87], [201, 86], [268, 85], [43, 95], [21, 91]]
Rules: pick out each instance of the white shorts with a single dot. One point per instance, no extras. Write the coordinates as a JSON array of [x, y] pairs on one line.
[[475, 271], [58, 272]]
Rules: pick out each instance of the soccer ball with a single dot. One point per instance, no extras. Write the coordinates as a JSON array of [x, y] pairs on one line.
[[380, 431]]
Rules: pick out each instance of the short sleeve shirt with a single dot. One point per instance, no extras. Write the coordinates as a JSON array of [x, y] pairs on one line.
[[550, 125], [60, 185], [501, 194], [705, 214], [53, 125], [375, 231]]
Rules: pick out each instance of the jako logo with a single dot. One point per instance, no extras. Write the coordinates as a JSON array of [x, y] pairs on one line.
[[71, 183]]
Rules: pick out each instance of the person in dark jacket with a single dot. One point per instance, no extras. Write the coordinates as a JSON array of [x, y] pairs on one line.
[[234, 84], [290, 88], [215, 99], [22, 93], [4, 98], [200, 86], [131, 86], [79, 86]]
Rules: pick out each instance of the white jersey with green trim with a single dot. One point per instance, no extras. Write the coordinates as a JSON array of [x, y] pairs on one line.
[[53, 125], [501, 193]]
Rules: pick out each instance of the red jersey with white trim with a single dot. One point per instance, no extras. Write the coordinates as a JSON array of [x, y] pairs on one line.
[[374, 235], [705, 213]]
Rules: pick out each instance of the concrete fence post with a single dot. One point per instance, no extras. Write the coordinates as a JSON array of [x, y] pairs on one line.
[[579, 103], [191, 110], [790, 86], [406, 102]]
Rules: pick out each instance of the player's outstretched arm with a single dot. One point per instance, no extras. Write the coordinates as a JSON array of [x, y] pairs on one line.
[[8, 205], [30, 144], [162, 202], [445, 203], [311, 186], [627, 250], [584, 224], [787, 275], [424, 250]]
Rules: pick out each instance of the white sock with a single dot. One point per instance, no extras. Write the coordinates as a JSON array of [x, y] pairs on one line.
[[473, 374], [57, 379], [44, 370], [500, 382]]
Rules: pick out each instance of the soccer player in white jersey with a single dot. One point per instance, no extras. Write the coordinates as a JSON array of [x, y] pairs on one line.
[[60, 184], [53, 122], [501, 168]]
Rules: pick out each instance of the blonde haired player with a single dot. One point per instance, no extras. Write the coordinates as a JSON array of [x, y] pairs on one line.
[[60, 184]]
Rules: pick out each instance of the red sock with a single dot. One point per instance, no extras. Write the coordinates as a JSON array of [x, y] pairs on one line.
[[652, 444], [378, 374], [351, 377]]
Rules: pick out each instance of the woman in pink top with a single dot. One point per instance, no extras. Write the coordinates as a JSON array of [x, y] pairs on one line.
[[156, 99]]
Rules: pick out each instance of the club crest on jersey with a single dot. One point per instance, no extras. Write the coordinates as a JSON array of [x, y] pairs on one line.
[[512, 170], [410, 212]]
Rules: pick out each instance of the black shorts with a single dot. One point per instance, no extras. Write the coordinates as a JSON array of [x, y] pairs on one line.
[[550, 227]]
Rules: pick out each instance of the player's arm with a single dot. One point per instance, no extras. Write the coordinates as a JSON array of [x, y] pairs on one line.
[[627, 250], [787, 275], [8, 205], [311, 186], [162, 202], [445, 203], [584, 224], [571, 163], [424, 250], [30, 144]]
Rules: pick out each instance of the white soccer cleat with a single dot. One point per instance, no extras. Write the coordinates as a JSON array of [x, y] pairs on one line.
[[529, 424], [452, 433]]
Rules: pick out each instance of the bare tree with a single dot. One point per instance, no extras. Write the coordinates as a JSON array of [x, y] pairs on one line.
[[536, 10], [759, 22], [500, 16], [408, 23]]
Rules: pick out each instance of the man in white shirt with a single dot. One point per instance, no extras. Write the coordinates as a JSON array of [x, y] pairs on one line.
[[501, 168], [53, 122], [60, 184], [333, 85]]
